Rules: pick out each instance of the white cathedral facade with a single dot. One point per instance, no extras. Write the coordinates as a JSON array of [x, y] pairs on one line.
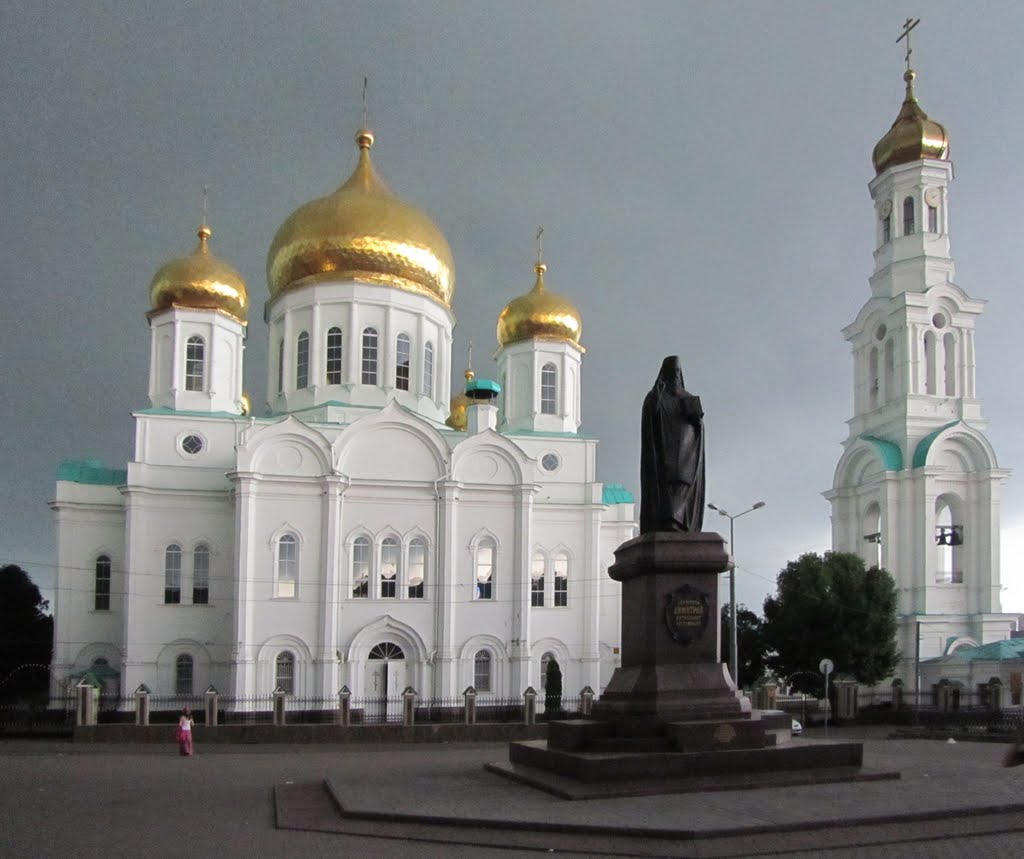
[[373, 531], [917, 489]]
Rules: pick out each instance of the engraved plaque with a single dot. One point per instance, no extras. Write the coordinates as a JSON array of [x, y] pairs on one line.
[[686, 614]]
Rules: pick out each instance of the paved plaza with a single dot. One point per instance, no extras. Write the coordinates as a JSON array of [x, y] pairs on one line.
[[62, 799]]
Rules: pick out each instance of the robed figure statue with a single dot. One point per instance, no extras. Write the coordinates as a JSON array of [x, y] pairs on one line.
[[671, 455]]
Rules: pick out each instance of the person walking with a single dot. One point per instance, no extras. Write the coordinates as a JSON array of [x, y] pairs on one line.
[[185, 725]]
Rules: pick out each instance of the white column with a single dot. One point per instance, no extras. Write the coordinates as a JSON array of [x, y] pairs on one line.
[[353, 344], [445, 588], [317, 378], [519, 593], [588, 585], [330, 598], [243, 648]]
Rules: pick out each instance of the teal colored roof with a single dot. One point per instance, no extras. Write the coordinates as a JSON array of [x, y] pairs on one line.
[[890, 454], [161, 410], [924, 445], [91, 471], [616, 493], [995, 651], [488, 387]]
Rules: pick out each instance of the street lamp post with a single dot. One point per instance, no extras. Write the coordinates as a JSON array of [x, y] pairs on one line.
[[734, 663]]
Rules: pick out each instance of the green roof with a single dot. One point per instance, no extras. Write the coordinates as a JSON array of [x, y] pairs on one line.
[[488, 387], [91, 471], [995, 651], [187, 413], [924, 445], [616, 493], [889, 453]]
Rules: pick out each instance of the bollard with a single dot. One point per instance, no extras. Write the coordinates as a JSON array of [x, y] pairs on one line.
[[212, 707], [142, 705], [345, 706], [586, 702], [279, 706], [469, 707], [409, 707], [530, 706]]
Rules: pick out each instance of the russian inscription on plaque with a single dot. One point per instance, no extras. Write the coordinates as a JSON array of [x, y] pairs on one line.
[[686, 614]]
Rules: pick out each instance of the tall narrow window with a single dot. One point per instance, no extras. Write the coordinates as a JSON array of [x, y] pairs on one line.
[[561, 571], [172, 574], [201, 575], [929, 362], [102, 594], [484, 589], [873, 378], [284, 672], [403, 353], [537, 580], [417, 567], [886, 229], [195, 363], [908, 216], [949, 364], [389, 554], [428, 370], [302, 361], [361, 567], [482, 671], [287, 566], [334, 345], [890, 370], [548, 390], [183, 669], [280, 366], [370, 356], [933, 219]]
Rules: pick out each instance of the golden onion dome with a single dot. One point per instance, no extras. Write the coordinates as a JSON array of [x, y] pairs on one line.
[[458, 419], [913, 135], [201, 281], [539, 314], [362, 232]]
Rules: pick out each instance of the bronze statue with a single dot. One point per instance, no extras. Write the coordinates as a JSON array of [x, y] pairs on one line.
[[671, 455]]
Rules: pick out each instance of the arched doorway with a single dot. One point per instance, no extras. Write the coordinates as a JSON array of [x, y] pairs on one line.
[[385, 681]]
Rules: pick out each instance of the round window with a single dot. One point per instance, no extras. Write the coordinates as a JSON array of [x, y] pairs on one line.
[[939, 321], [880, 332], [192, 444], [550, 461]]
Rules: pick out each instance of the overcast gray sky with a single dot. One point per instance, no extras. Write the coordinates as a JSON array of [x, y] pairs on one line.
[[700, 170]]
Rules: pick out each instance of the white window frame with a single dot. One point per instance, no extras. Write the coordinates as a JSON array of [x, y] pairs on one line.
[[285, 680], [183, 660], [560, 579], [539, 564], [370, 356], [172, 574], [334, 359], [101, 592], [195, 363], [362, 541], [487, 585], [302, 361], [286, 572], [390, 568], [403, 362], [549, 389], [201, 574], [415, 566], [428, 370], [483, 681]]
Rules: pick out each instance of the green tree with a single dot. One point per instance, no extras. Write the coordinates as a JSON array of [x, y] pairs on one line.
[[553, 688], [26, 635], [750, 645], [831, 606]]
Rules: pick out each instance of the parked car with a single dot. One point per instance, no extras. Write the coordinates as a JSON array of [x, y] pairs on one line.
[[798, 729]]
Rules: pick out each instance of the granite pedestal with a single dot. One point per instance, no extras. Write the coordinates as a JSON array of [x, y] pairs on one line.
[[671, 716]]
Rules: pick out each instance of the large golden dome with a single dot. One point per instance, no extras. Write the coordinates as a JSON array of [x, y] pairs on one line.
[[913, 135], [539, 314], [200, 281], [362, 232]]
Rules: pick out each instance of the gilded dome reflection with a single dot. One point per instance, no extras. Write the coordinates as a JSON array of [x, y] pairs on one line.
[[200, 281], [539, 314], [913, 135]]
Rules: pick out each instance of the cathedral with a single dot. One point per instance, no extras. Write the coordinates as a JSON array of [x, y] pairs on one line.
[[372, 530], [917, 488]]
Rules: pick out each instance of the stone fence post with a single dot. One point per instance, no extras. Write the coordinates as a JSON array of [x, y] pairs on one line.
[[846, 699], [409, 707], [142, 705], [897, 694], [586, 702], [530, 706], [765, 695], [279, 718], [469, 705], [345, 706], [212, 707], [85, 710]]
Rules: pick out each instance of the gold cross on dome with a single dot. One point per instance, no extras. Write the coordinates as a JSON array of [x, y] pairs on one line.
[[908, 25], [540, 244]]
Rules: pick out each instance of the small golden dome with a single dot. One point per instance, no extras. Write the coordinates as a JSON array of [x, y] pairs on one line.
[[200, 281], [457, 417], [539, 314], [362, 232], [913, 135]]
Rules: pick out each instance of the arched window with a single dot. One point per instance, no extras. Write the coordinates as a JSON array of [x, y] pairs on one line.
[[886, 229], [908, 216], [417, 567], [195, 363], [287, 566], [482, 671], [361, 567], [890, 370], [949, 537], [334, 352], [102, 593], [929, 362], [403, 355], [390, 552], [280, 366], [949, 364], [873, 378], [485, 551], [201, 574], [548, 390], [871, 530], [370, 356], [284, 672], [537, 580], [302, 361], [933, 219], [183, 666], [172, 574], [428, 370], [560, 567]]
